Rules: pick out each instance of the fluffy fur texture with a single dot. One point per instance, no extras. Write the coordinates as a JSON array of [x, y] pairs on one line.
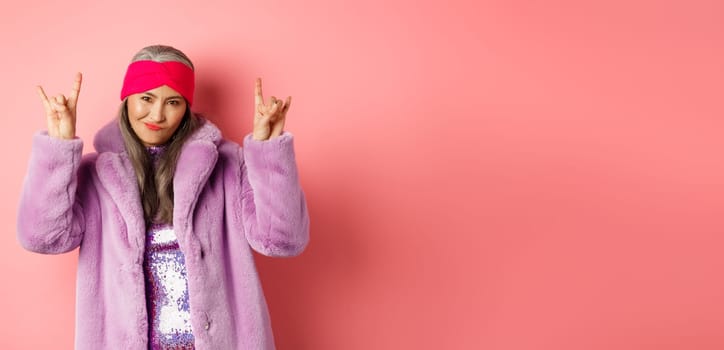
[[228, 200]]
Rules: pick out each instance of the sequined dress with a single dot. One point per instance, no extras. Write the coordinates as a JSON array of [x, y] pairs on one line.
[[167, 297]]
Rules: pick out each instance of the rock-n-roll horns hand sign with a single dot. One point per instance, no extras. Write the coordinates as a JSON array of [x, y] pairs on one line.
[[60, 111], [268, 117]]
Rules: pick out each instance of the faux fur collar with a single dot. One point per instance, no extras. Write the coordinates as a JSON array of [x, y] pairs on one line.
[[194, 166]]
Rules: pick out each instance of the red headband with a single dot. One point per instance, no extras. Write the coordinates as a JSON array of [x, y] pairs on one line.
[[146, 75]]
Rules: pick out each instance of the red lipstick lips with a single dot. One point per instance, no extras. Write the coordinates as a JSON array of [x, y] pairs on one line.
[[153, 126]]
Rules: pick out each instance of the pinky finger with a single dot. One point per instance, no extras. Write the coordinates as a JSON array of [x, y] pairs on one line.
[[286, 105]]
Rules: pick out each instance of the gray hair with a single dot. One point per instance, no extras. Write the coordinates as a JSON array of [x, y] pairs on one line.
[[162, 53]]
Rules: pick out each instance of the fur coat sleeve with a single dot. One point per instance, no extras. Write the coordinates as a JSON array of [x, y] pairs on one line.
[[273, 208], [51, 216]]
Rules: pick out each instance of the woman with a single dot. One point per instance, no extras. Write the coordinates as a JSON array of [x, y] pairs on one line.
[[165, 213]]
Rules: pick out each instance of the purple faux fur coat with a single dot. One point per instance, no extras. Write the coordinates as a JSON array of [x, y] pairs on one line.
[[228, 201]]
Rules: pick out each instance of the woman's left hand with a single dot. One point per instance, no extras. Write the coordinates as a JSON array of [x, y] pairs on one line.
[[268, 118]]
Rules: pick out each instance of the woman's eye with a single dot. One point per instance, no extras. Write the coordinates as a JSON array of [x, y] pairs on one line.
[[146, 98], [173, 102]]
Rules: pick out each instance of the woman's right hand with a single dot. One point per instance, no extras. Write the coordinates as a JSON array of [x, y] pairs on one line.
[[60, 111]]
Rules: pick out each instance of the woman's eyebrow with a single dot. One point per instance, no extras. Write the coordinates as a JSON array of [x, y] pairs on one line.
[[168, 98]]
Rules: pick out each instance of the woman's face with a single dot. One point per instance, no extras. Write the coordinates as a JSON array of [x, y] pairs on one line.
[[156, 114]]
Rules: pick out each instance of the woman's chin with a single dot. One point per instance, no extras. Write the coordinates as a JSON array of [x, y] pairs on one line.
[[153, 141]]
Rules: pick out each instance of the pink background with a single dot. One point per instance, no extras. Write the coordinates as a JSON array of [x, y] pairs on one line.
[[480, 174]]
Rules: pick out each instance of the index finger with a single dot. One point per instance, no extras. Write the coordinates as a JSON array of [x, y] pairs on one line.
[[44, 98], [258, 98], [73, 98]]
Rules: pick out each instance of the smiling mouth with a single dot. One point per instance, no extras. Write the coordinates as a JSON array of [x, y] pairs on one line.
[[153, 127]]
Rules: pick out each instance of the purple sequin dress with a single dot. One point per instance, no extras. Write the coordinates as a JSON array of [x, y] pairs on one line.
[[167, 296]]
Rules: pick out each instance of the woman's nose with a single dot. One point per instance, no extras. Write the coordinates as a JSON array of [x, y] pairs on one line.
[[156, 113]]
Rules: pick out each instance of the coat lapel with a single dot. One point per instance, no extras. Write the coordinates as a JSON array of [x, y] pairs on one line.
[[194, 166], [117, 177]]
